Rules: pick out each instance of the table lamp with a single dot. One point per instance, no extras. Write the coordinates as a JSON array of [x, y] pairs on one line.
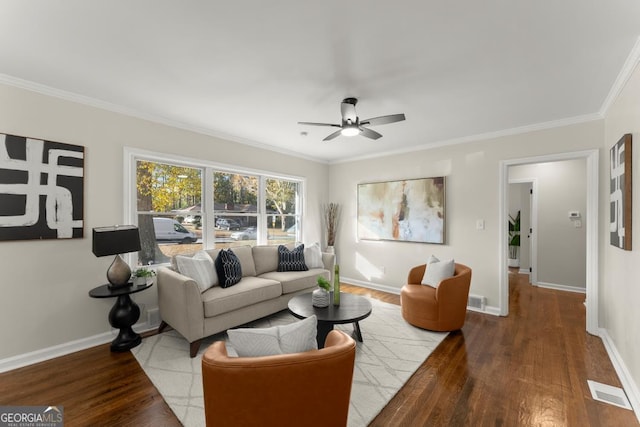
[[116, 240]]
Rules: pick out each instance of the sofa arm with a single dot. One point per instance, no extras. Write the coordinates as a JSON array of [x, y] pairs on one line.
[[180, 303], [329, 261]]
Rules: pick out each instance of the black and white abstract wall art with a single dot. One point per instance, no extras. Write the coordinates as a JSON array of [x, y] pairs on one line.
[[620, 193], [41, 189]]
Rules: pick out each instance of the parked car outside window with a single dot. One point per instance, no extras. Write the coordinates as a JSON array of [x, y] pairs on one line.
[[227, 224], [170, 230], [192, 219], [249, 233]]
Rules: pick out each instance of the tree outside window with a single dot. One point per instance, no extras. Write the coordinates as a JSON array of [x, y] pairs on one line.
[[240, 209]]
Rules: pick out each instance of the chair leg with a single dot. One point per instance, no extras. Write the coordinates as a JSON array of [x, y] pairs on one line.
[[194, 347], [162, 327]]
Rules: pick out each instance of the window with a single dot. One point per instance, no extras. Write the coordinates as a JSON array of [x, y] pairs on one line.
[[166, 195], [282, 209], [176, 215], [235, 206]]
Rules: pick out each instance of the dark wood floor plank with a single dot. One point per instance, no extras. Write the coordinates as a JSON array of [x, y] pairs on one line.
[[528, 369]]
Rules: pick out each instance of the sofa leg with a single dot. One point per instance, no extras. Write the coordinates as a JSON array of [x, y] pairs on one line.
[[162, 327], [194, 347]]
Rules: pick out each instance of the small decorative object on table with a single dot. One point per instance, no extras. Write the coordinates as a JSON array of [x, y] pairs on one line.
[[320, 297], [336, 286], [143, 276]]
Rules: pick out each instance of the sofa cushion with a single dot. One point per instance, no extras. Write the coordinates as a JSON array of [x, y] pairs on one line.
[[228, 268], [250, 290], [294, 281], [296, 337], [245, 255], [313, 256], [265, 258], [200, 268], [291, 260], [213, 253]]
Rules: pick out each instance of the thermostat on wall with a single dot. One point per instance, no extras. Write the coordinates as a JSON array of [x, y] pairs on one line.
[[574, 214]]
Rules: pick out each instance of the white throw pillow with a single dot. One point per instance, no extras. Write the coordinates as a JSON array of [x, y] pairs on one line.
[[313, 256], [293, 338], [432, 259], [200, 268], [255, 342], [299, 336], [437, 272]]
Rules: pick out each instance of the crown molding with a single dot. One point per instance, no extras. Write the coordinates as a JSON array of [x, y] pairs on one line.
[[482, 137], [131, 112], [623, 77]]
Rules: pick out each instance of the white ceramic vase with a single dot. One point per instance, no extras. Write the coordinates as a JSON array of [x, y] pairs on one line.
[[320, 298]]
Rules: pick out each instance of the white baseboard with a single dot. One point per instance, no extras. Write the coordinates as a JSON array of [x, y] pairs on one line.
[[370, 285], [561, 287], [49, 353], [488, 309], [524, 271], [629, 386], [494, 311]]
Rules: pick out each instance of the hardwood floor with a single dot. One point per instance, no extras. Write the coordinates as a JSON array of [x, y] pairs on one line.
[[528, 369]]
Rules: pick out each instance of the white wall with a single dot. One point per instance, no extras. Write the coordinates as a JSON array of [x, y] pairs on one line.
[[44, 284], [472, 179], [619, 287], [561, 248]]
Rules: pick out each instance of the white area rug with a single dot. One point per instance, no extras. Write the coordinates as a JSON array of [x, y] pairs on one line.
[[391, 352]]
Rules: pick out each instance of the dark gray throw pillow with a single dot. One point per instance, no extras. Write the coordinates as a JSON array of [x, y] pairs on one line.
[[291, 260], [228, 268]]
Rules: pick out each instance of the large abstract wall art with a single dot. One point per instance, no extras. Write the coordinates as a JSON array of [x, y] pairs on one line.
[[620, 193], [410, 210], [41, 189]]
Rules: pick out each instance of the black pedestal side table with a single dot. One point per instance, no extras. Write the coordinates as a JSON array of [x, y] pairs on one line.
[[123, 315]]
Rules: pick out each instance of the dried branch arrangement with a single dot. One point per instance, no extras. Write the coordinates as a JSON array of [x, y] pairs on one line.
[[331, 217]]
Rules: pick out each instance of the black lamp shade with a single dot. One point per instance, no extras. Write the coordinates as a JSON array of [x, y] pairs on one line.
[[119, 239]]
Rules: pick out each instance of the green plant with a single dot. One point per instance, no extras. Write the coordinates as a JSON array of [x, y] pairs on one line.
[[514, 235], [324, 283], [144, 272]]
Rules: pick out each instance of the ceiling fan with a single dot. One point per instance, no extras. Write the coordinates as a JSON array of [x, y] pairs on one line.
[[351, 123]]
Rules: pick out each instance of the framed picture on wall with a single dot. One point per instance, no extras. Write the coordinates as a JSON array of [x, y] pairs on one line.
[[41, 189], [410, 210], [620, 193]]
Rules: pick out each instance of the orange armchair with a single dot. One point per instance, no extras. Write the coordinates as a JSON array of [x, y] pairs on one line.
[[438, 309], [301, 389]]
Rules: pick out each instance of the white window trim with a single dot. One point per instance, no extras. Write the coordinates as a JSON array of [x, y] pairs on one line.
[[131, 155]]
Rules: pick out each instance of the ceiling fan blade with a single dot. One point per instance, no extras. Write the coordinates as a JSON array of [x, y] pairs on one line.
[[333, 135], [319, 124], [370, 133], [383, 120]]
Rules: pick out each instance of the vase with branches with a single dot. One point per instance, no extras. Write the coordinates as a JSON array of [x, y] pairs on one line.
[[331, 217]]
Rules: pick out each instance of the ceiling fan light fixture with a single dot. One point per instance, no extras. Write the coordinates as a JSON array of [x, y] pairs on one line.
[[350, 131]]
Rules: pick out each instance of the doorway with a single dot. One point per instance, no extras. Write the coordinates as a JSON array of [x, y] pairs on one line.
[[591, 224]]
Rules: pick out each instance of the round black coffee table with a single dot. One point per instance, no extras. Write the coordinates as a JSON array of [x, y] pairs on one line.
[[352, 309]]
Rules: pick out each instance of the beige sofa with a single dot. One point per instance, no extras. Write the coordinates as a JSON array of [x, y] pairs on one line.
[[261, 292]]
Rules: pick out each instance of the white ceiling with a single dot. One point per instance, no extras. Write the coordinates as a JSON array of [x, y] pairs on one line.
[[250, 70]]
